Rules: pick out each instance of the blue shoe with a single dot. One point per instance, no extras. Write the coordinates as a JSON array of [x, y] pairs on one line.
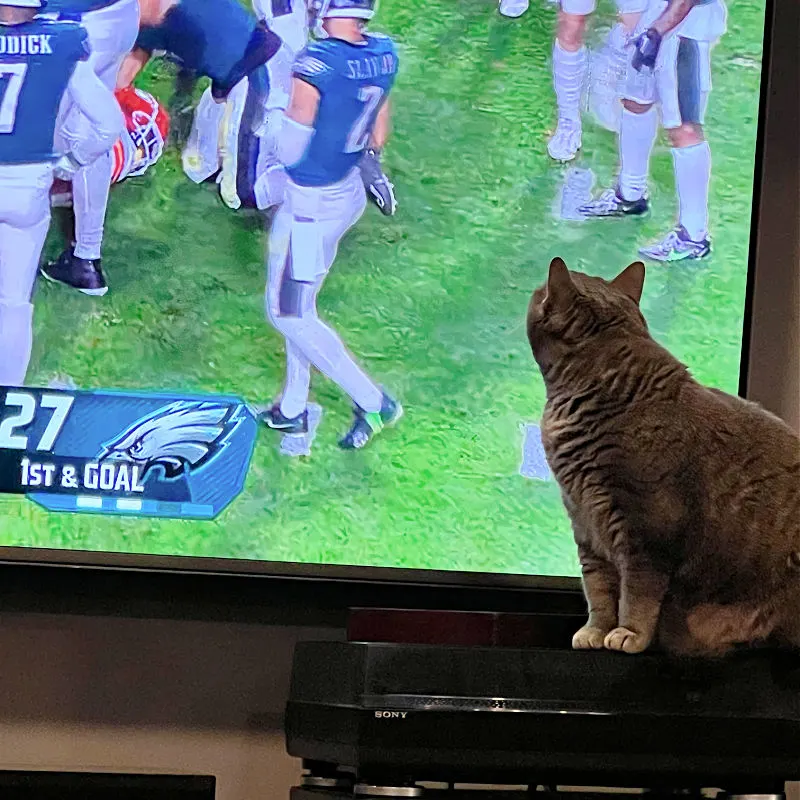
[[367, 424], [274, 418], [677, 246]]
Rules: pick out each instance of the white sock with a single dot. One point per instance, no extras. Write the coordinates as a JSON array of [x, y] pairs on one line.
[[637, 135], [90, 188], [692, 176], [569, 71]]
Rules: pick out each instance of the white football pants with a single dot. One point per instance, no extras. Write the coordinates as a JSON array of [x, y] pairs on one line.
[[112, 34], [24, 220], [303, 242]]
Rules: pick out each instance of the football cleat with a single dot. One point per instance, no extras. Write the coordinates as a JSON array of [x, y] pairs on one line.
[[611, 204], [513, 8], [566, 141], [677, 246], [379, 188], [367, 424], [83, 274], [274, 418]]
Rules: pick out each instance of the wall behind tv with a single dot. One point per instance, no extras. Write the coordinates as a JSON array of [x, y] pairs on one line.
[[109, 693]]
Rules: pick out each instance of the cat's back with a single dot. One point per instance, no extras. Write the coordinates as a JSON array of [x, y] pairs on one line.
[[734, 427]]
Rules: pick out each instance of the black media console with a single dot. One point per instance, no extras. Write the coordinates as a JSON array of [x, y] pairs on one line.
[[388, 720]]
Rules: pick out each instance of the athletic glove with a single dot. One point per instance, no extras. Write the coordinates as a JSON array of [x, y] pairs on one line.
[[379, 188], [646, 49]]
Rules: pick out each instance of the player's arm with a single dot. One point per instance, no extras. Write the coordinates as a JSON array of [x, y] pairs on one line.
[[648, 44], [383, 127], [675, 13], [298, 122], [131, 66], [100, 107]]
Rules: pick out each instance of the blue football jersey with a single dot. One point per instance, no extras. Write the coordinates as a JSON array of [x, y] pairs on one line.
[[37, 60], [75, 8], [209, 37], [353, 81]]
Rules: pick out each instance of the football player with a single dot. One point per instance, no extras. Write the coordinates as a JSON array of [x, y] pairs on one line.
[[289, 19], [339, 107], [43, 63], [213, 141], [571, 62], [112, 26], [670, 71], [220, 40]]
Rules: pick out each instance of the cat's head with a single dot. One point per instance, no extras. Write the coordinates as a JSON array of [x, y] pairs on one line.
[[572, 309]]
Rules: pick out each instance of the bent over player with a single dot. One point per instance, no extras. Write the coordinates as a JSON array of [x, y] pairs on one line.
[[43, 63], [223, 41], [339, 108], [671, 67]]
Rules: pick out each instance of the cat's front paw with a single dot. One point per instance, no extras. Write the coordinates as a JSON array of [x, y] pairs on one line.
[[624, 640], [589, 638]]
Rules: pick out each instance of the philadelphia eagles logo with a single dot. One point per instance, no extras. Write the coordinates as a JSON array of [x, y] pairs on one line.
[[179, 437]]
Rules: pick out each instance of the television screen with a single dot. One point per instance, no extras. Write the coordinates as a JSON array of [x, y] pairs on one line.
[[261, 230]]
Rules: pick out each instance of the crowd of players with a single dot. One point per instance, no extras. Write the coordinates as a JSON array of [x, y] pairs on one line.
[[294, 120]]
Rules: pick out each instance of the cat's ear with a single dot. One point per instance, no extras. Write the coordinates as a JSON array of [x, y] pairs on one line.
[[631, 281], [559, 281]]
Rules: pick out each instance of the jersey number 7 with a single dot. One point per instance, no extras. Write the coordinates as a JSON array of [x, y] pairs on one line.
[[12, 76], [358, 138]]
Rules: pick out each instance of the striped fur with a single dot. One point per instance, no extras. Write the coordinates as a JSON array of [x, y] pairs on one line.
[[685, 501]]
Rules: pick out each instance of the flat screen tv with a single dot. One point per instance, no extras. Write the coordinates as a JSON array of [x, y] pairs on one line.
[[318, 215]]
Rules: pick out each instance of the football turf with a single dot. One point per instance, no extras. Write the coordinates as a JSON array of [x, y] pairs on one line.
[[432, 302]]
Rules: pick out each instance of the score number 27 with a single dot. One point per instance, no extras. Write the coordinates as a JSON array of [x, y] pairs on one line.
[[59, 404]]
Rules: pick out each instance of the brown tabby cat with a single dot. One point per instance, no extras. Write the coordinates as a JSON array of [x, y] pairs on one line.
[[684, 500]]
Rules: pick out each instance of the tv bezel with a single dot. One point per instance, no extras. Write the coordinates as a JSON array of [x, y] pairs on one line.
[[331, 587]]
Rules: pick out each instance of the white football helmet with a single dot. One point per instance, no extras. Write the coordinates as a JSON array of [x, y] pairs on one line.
[[320, 10]]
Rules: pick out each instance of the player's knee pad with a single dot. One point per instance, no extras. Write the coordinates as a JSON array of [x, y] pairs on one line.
[[289, 305]]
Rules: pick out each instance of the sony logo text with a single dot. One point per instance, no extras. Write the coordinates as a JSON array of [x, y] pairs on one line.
[[391, 714]]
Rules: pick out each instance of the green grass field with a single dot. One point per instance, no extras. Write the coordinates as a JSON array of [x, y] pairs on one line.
[[431, 301]]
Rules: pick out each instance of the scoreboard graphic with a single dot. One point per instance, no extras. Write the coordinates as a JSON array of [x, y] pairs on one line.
[[125, 453]]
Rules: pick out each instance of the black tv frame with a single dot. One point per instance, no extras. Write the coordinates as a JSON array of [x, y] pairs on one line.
[[50, 580]]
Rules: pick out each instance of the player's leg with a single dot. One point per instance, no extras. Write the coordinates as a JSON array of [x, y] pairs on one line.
[[201, 156], [233, 123], [24, 220], [307, 250], [637, 136], [112, 33], [292, 296], [289, 413], [684, 89], [570, 63]]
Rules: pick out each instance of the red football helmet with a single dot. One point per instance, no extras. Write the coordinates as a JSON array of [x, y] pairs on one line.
[[148, 125]]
